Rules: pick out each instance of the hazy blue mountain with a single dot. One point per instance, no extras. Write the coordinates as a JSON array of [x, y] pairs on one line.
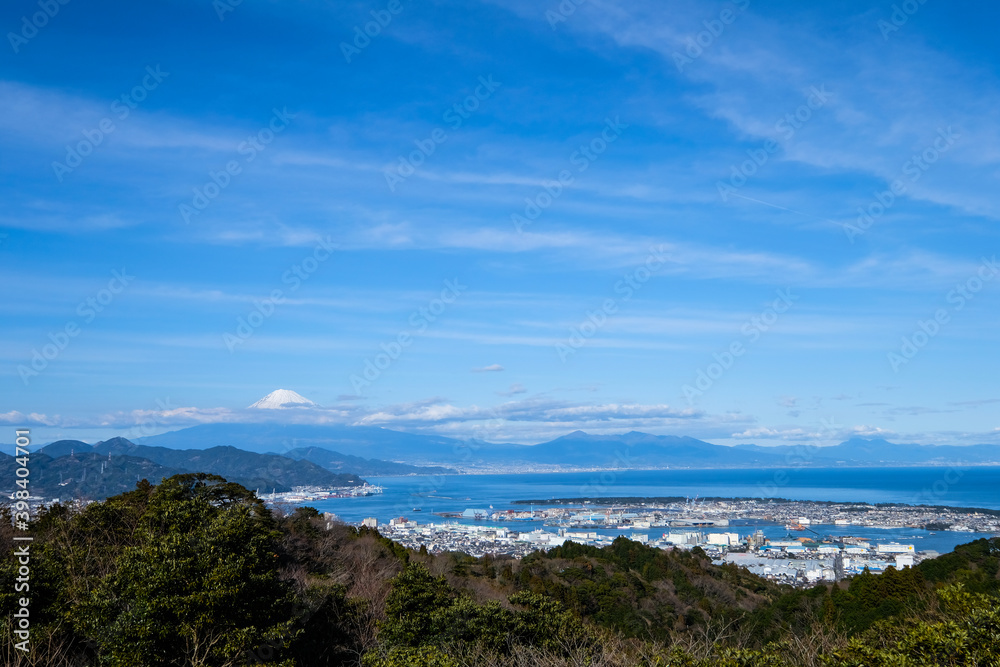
[[322, 457], [363, 441], [629, 450], [878, 451], [337, 462], [577, 449], [64, 448], [378, 451]]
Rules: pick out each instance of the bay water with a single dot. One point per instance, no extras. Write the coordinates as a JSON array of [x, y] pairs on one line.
[[419, 497]]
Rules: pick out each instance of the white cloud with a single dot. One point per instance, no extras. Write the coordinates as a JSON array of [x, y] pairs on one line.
[[492, 368], [527, 421], [762, 68], [31, 419], [50, 116], [180, 417], [516, 388], [866, 431], [768, 433], [541, 412]]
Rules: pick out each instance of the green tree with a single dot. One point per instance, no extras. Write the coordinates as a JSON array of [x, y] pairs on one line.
[[425, 656], [413, 607], [968, 635], [201, 585]]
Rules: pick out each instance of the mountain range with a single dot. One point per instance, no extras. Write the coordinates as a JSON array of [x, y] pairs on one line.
[[279, 457], [268, 454], [72, 468], [348, 448], [880, 451], [369, 442]]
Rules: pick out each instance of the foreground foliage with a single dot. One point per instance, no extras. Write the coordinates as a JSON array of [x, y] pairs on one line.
[[197, 571]]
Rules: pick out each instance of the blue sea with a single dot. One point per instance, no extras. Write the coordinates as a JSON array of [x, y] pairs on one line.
[[954, 487]]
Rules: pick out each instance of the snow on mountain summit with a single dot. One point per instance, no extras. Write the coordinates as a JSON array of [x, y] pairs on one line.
[[281, 398]]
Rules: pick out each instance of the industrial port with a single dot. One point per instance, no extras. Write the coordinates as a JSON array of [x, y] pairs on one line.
[[727, 530]]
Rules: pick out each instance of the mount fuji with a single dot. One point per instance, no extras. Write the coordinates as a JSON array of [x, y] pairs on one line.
[[281, 398]]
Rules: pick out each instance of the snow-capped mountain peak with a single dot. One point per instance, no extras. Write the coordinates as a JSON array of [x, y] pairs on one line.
[[281, 398]]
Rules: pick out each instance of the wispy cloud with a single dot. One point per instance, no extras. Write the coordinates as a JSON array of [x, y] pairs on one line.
[[32, 419], [514, 390], [492, 368], [761, 69], [536, 148]]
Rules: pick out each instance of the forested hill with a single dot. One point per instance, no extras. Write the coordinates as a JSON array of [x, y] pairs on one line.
[[72, 469], [197, 571]]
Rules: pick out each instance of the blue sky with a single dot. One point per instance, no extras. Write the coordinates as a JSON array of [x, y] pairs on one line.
[[517, 218]]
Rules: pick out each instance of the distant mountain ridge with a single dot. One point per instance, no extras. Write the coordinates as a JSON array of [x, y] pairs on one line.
[[73, 468], [256, 470], [576, 450], [336, 461], [878, 450], [86, 475], [629, 450], [369, 442]]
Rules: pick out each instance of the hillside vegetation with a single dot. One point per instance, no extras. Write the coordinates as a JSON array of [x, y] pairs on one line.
[[197, 571], [74, 469]]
